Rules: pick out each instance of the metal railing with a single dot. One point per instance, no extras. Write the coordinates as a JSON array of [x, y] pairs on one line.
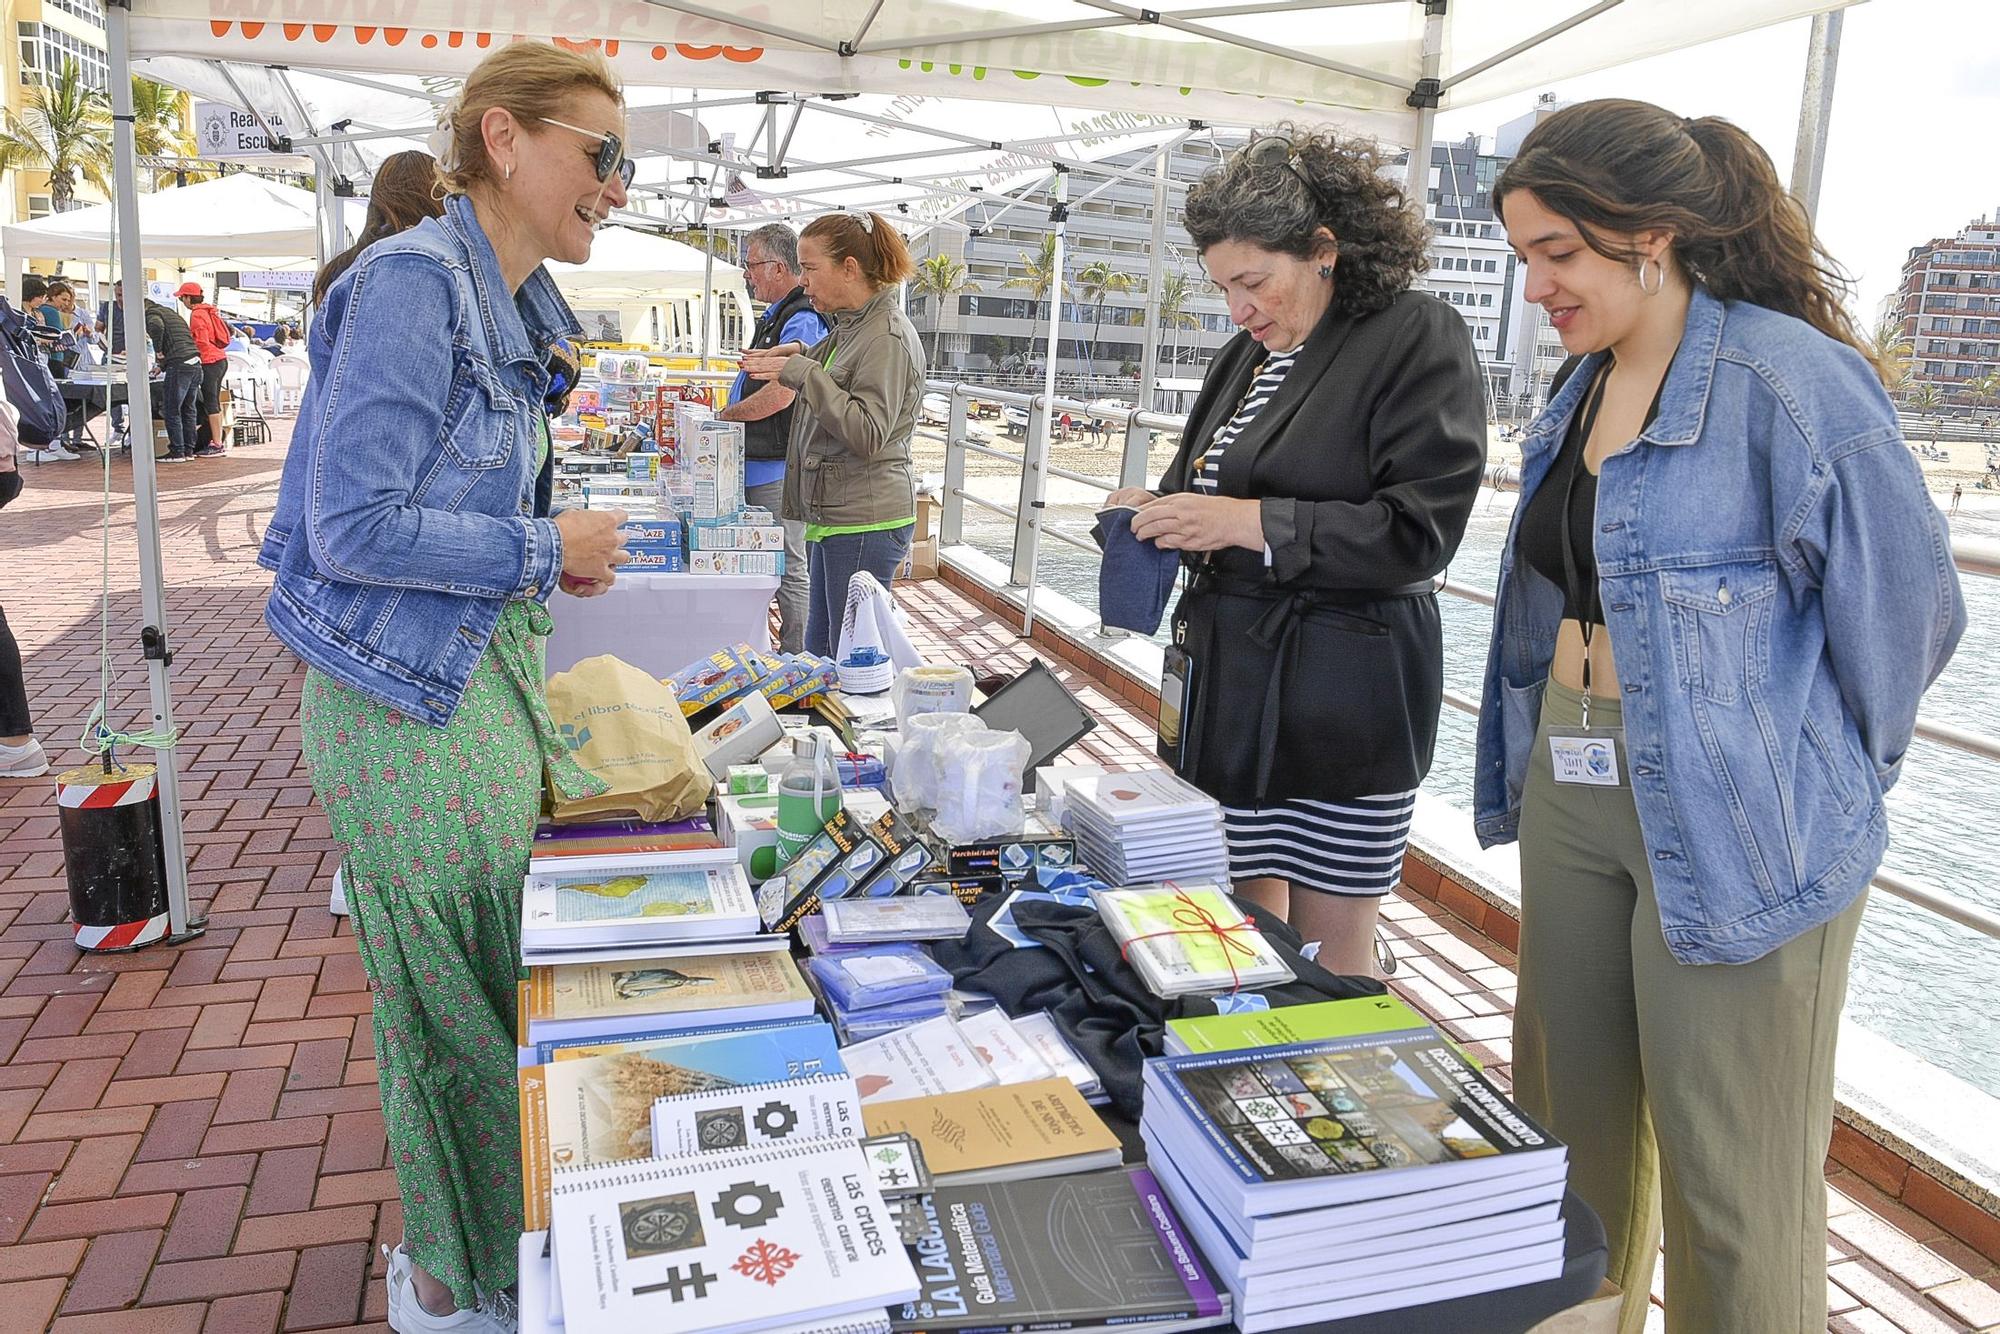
[[1972, 556]]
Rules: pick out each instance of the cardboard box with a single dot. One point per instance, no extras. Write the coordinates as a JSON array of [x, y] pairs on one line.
[[969, 890], [1039, 848], [737, 735], [924, 559], [737, 562], [746, 823], [653, 559], [651, 532]]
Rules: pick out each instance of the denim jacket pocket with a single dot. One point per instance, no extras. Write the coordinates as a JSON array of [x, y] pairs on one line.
[[480, 424], [1721, 615]]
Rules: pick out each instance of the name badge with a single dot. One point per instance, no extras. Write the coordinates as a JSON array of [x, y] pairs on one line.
[[1589, 760]]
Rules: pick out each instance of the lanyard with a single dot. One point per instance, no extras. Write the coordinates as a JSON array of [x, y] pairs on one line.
[[1572, 579]]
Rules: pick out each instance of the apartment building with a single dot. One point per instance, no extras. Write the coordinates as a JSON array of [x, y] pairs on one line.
[[1949, 308]]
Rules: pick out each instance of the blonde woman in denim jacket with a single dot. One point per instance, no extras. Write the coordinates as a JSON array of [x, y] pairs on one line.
[[415, 554], [1724, 592]]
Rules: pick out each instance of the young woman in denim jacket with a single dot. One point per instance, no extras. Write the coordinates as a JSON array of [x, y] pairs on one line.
[[1725, 590], [414, 554]]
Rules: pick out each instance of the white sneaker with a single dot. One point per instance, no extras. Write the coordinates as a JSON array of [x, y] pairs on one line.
[[63, 452], [495, 1314], [337, 904], [48, 456], [23, 761]]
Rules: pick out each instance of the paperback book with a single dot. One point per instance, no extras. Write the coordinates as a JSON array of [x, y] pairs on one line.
[[754, 1115], [628, 996], [1290, 1024], [926, 1058], [630, 906], [1001, 1133]]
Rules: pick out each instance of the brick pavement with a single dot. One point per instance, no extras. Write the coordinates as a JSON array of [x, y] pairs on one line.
[[190, 1139]]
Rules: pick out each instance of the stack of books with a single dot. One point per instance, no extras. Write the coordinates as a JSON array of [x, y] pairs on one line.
[[1151, 825], [630, 997], [610, 906], [1337, 1178]]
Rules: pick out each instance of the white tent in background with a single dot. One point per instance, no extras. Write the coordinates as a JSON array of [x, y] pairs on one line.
[[240, 216], [642, 275]]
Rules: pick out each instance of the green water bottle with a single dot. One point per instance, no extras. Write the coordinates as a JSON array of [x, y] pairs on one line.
[[808, 795]]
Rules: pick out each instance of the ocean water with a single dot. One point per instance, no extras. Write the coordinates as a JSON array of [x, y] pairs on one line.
[[1925, 983]]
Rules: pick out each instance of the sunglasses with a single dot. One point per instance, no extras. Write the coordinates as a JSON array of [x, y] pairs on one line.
[[1275, 150], [610, 156]]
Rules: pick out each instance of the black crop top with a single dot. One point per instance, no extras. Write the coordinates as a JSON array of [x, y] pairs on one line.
[[1542, 526]]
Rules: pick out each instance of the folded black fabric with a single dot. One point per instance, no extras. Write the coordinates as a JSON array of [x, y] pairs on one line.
[[1095, 997]]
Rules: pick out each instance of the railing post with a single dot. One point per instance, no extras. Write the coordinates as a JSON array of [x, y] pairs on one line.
[[1034, 457], [1138, 447], [951, 524]]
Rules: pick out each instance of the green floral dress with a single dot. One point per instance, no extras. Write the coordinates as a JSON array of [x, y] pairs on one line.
[[437, 824]]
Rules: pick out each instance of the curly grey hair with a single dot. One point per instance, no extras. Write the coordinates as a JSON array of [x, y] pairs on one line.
[[778, 242], [1279, 201]]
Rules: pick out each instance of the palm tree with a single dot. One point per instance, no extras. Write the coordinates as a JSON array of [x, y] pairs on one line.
[[1892, 352], [64, 129], [1039, 281], [1986, 389], [1096, 281], [939, 278], [159, 121], [1175, 293]]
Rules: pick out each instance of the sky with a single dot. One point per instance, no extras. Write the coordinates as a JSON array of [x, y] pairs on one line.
[[1911, 151]]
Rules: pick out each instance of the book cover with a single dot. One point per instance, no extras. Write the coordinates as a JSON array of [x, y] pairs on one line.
[[637, 904], [1403, 1105], [1008, 1130], [755, 1115], [691, 1040], [726, 1243], [1290, 1024], [597, 1107], [1057, 1253], [1007, 1051], [702, 990], [1144, 796], [926, 1058], [560, 844], [1047, 1039]]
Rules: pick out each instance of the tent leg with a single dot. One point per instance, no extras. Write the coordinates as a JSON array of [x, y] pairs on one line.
[[1425, 99], [145, 491], [1816, 110], [1035, 486], [1149, 358], [707, 293]]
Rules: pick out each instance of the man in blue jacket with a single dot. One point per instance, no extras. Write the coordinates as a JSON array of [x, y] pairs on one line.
[[771, 266]]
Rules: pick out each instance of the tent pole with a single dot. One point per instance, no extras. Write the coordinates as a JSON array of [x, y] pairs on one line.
[[1816, 110], [145, 490], [1424, 97], [707, 291], [1149, 357], [1036, 464]]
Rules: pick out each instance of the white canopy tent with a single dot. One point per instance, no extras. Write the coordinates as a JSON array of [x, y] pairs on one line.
[[633, 272], [238, 217], [1104, 68]]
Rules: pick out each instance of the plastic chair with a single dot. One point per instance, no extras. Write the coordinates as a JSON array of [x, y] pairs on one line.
[[292, 372]]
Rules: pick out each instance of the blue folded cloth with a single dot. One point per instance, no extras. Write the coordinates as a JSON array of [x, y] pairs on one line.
[[1136, 579]]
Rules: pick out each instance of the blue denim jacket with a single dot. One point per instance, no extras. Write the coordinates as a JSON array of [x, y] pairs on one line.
[[408, 513], [1779, 590]]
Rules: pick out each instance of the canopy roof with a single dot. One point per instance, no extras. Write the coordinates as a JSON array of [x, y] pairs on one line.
[[878, 103], [628, 267], [238, 217]]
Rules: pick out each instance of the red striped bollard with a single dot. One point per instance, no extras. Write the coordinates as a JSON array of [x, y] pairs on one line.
[[112, 850]]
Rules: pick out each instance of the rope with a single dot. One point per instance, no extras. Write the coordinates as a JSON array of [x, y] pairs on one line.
[[97, 738]]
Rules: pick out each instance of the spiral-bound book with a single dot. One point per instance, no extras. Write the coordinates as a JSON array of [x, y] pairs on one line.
[[726, 1243], [752, 1115]]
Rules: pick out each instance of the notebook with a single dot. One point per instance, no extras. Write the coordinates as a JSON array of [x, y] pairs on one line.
[[754, 1115]]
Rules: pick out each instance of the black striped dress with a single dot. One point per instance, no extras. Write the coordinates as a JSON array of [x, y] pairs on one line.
[[1336, 847]]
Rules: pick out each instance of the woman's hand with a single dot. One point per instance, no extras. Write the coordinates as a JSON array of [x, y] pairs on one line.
[[768, 363], [1135, 496], [592, 548], [1188, 522]]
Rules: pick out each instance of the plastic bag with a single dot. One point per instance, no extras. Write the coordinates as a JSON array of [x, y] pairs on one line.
[[979, 785], [626, 728], [921, 690], [916, 775]]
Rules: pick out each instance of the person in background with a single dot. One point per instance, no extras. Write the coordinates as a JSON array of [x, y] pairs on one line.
[[180, 366], [211, 341], [1724, 592], [34, 295], [1328, 470], [771, 264], [111, 336], [415, 552], [404, 192], [54, 309], [847, 467], [21, 756]]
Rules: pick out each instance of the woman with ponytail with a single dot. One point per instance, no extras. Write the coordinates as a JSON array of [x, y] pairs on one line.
[[1724, 592], [405, 192], [847, 469]]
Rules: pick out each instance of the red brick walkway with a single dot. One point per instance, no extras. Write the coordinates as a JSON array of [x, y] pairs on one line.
[[189, 1136]]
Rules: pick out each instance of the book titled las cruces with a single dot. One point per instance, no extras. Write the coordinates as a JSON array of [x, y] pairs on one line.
[[1333, 1122], [726, 1242], [1076, 1252]]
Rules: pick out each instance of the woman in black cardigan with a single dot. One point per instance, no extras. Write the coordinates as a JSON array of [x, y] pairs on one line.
[[1323, 482]]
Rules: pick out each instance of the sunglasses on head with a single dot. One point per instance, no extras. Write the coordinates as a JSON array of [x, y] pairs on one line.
[[610, 156], [1275, 150]]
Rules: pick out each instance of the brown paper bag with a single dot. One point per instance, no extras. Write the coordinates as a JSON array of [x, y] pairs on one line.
[[627, 729]]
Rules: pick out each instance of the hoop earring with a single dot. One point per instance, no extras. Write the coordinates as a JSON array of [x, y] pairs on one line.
[[1657, 287], [507, 172]]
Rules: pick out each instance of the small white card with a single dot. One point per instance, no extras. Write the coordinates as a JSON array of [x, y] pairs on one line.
[[1589, 760]]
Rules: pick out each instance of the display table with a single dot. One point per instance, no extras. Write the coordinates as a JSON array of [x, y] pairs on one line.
[[662, 622]]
